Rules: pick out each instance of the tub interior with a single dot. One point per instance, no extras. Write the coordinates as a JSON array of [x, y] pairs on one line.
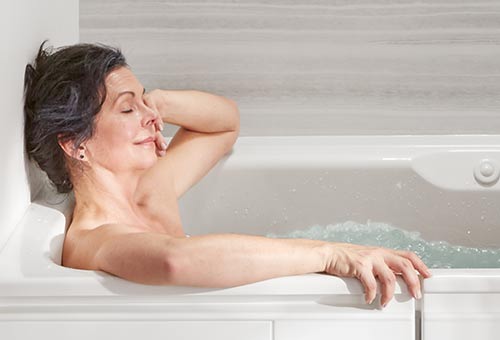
[[286, 184]]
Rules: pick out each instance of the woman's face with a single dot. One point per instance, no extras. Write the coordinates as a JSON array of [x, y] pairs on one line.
[[123, 122]]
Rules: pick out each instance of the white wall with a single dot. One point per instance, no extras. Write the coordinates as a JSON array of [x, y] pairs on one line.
[[24, 24]]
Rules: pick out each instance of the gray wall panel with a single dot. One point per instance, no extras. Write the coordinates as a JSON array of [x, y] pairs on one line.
[[319, 67]]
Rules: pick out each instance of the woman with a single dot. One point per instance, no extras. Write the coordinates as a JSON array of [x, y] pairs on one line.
[[93, 129]]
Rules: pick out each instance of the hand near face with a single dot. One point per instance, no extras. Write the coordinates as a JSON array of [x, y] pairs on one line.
[[149, 100], [161, 144]]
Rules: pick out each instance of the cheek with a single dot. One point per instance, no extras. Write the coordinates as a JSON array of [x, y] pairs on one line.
[[114, 140], [119, 133]]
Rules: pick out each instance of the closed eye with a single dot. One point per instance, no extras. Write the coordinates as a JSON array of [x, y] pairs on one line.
[[127, 111]]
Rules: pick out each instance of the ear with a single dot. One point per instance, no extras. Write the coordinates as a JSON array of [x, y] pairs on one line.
[[68, 148]]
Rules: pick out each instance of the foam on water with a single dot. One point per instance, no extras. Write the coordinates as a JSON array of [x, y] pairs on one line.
[[435, 254]]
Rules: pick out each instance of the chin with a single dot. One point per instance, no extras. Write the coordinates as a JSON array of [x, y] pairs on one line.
[[150, 162], [147, 162]]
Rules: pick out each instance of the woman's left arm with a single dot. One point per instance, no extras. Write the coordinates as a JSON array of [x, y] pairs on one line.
[[195, 110]]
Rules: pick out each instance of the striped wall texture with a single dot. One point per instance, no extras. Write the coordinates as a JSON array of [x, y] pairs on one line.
[[318, 67]]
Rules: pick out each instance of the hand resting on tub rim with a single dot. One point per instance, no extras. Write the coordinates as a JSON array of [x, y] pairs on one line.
[[92, 127]]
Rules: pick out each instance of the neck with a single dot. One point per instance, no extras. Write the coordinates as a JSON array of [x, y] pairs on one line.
[[106, 195]]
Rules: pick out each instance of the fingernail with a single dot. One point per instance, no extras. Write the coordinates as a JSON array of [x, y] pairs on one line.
[[163, 145], [419, 295], [161, 127]]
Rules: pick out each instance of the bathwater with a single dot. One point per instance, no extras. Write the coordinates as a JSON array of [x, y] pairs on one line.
[[435, 254]]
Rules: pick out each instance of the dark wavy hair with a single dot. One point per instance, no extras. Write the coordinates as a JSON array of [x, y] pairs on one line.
[[63, 92]]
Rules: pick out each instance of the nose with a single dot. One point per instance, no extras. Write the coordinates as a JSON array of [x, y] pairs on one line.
[[149, 116]]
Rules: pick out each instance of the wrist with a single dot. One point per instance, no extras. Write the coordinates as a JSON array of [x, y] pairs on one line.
[[325, 252]]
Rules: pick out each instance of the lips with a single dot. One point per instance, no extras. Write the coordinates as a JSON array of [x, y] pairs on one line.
[[146, 140]]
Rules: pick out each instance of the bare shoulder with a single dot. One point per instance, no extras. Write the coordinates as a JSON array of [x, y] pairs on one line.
[[81, 245], [124, 251]]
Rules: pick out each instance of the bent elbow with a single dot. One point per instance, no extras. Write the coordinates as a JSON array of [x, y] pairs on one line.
[[170, 270]]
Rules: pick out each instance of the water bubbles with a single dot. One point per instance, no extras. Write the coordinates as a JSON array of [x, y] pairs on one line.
[[435, 254]]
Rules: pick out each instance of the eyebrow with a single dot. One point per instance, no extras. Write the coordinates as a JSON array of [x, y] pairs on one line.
[[128, 92]]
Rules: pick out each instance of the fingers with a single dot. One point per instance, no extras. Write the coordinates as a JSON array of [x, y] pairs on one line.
[[161, 145], [384, 268], [369, 263], [366, 277], [159, 124], [405, 267], [416, 261], [387, 281]]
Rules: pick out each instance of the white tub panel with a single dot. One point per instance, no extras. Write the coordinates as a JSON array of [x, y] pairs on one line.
[[353, 329], [315, 308], [472, 326], [461, 316], [461, 304], [133, 330]]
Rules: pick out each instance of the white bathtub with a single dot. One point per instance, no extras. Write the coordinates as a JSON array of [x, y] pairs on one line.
[[277, 184]]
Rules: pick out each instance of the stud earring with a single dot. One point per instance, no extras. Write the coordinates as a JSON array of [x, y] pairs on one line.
[[81, 156]]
